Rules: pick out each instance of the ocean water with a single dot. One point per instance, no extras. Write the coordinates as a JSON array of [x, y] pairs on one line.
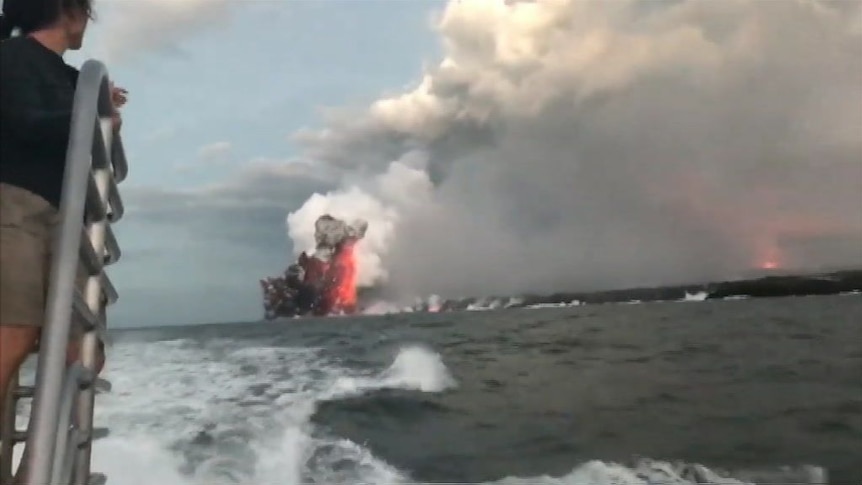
[[615, 394]]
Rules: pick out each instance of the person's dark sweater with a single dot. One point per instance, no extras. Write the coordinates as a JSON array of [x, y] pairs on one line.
[[37, 89]]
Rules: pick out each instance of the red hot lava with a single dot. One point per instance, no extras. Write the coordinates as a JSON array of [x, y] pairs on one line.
[[342, 294]]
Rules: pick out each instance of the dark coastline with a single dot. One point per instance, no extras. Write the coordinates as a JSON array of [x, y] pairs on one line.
[[771, 286]]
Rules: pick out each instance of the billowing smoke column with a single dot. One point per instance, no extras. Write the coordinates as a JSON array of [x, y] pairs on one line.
[[324, 282], [569, 144]]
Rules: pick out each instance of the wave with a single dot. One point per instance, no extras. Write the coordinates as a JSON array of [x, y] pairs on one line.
[[653, 472]]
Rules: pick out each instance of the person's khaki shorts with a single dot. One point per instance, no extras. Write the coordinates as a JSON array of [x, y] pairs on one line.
[[27, 226]]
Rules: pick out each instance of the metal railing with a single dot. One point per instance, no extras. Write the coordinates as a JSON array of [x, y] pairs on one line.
[[60, 432]]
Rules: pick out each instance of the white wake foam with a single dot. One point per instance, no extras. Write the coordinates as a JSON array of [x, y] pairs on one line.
[[169, 394], [190, 413]]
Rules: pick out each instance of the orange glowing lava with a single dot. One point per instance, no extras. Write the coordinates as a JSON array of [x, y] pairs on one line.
[[768, 265], [342, 290]]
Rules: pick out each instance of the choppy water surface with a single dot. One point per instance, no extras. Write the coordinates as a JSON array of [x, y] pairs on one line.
[[551, 396]]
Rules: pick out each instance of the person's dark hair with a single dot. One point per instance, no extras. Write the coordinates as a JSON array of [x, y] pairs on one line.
[[32, 15]]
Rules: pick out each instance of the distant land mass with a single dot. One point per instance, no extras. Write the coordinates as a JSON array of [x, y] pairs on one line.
[[771, 285]]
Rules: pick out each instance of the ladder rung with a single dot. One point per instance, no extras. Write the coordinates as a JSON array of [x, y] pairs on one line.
[[117, 208], [93, 435], [79, 306], [86, 377], [91, 260], [101, 157], [109, 292], [94, 209], [111, 246], [95, 265], [103, 385], [99, 433], [24, 392], [118, 159], [89, 320], [97, 479], [108, 289]]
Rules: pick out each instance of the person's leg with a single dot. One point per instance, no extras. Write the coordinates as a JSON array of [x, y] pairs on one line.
[[71, 357], [75, 334], [25, 239], [16, 344]]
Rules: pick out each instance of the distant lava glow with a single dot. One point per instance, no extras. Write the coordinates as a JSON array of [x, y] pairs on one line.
[[769, 255]]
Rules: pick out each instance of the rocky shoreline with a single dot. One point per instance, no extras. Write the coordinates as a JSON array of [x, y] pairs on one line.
[[770, 286]]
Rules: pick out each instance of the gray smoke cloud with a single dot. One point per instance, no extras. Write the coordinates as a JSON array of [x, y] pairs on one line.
[[563, 144]]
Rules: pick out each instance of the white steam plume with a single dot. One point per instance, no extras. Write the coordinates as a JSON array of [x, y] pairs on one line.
[[401, 186], [577, 144]]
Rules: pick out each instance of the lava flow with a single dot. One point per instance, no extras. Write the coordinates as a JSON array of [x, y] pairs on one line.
[[342, 288], [323, 283]]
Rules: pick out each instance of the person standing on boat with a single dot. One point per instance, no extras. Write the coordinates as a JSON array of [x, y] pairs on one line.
[[37, 90]]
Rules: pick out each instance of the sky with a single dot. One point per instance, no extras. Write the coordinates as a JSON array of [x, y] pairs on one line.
[[215, 91], [494, 147]]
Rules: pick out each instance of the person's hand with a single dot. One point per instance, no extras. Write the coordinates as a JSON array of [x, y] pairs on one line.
[[119, 96]]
